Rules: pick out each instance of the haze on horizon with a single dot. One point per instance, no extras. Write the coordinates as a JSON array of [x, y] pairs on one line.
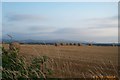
[[81, 21]]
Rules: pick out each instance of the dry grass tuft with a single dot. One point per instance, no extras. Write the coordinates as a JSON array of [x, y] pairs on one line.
[[14, 45]]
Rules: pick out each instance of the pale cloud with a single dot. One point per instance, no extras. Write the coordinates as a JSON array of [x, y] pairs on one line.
[[102, 23], [87, 32], [30, 27], [93, 27], [24, 17], [41, 28]]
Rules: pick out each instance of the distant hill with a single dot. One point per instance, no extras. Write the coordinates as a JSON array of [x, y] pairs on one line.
[[30, 41], [42, 41]]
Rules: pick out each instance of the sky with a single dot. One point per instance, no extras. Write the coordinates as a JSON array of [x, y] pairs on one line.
[[60, 0], [80, 21]]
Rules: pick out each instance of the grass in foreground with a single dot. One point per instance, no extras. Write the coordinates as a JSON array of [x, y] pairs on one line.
[[15, 66]]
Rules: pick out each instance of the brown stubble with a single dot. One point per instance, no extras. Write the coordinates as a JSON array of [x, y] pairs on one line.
[[75, 61]]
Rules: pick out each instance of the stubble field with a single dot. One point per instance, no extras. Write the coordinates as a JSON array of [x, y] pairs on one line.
[[75, 61]]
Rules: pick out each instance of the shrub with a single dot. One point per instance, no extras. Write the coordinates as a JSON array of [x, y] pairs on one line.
[[15, 66], [79, 44], [67, 44], [90, 44], [61, 44], [70, 44], [74, 44], [56, 44]]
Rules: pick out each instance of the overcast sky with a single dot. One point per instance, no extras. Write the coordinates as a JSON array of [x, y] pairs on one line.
[[83, 21]]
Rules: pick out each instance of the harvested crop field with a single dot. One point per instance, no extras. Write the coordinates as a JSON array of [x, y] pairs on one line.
[[75, 61]]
